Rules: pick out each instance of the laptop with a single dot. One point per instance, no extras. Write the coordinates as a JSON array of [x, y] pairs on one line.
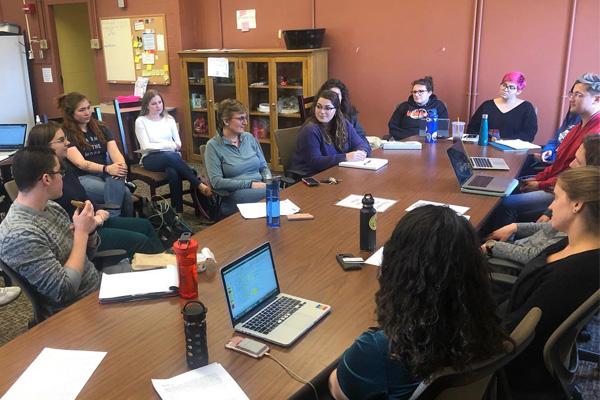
[[256, 305], [12, 138], [484, 162], [443, 127], [466, 179]]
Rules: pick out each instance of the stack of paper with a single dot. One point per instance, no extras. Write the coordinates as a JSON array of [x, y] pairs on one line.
[[517, 144], [259, 210], [355, 201], [372, 164], [141, 285]]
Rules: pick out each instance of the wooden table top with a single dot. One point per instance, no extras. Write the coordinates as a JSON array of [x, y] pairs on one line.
[[145, 339]]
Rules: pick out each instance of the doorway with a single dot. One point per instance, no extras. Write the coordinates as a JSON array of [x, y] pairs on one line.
[[77, 67]]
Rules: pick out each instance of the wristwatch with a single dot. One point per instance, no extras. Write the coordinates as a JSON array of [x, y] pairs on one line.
[[489, 245]]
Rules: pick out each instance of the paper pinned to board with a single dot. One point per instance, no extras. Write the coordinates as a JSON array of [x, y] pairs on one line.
[[55, 375], [246, 19]]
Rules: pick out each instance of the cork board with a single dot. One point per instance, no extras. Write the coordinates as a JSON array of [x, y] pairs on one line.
[[134, 47]]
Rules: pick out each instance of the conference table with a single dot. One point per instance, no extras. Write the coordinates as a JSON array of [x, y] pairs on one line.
[[145, 339]]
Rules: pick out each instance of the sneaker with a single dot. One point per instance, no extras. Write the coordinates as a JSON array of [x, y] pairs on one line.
[[8, 294]]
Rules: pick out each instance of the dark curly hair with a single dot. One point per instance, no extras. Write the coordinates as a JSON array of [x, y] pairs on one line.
[[335, 131], [434, 303], [347, 107]]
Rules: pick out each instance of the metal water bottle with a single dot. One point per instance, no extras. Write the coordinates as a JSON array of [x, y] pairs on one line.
[[194, 324], [432, 126], [483, 131], [368, 223], [273, 219]]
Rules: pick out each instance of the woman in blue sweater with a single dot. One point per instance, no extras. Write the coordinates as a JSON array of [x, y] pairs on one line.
[[327, 138]]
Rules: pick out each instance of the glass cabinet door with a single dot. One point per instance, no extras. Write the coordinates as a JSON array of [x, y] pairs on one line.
[[259, 104], [224, 88], [196, 75], [290, 76]]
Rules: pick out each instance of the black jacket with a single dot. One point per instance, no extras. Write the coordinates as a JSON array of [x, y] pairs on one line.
[[408, 117]]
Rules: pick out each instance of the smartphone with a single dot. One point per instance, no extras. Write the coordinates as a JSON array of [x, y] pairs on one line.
[[348, 262], [310, 181], [77, 204], [247, 346]]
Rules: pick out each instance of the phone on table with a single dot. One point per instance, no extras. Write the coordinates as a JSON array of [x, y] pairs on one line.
[[349, 262], [247, 346], [310, 181]]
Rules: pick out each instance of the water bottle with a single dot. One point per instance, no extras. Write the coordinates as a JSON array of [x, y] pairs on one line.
[[368, 223], [273, 219], [432, 126], [185, 250], [194, 326], [483, 131]]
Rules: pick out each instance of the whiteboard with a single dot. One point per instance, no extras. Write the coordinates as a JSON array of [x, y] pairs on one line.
[[15, 96], [118, 49]]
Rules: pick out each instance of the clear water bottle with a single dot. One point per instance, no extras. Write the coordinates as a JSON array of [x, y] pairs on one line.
[[483, 131], [273, 212], [368, 223], [194, 324], [432, 126]]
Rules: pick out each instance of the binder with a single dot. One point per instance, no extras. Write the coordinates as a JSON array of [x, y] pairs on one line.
[[142, 285]]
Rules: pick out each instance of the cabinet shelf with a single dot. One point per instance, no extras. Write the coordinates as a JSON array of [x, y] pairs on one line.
[[225, 84], [291, 87], [199, 109], [289, 115], [196, 84], [200, 135], [258, 87], [260, 114]]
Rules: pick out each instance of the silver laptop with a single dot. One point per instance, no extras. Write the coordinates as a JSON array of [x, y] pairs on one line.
[[443, 127], [256, 305], [484, 162], [466, 179], [12, 138]]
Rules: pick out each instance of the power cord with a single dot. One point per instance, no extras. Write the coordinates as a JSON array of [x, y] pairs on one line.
[[294, 375]]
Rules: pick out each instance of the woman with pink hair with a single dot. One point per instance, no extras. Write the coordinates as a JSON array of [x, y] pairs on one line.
[[513, 117]]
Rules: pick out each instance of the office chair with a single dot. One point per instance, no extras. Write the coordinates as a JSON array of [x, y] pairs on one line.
[[561, 354], [212, 208], [29, 291], [306, 105], [286, 147]]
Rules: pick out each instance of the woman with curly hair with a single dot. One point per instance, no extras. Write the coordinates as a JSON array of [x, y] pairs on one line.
[[327, 138], [434, 309]]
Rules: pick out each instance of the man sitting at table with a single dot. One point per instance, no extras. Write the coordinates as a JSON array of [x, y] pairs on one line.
[[37, 239]]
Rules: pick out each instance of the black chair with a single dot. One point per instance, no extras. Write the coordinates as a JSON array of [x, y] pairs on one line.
[[29, 291], [306, 105]]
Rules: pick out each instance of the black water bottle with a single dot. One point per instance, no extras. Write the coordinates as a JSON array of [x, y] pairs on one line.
[[368, 223], [194, 322]]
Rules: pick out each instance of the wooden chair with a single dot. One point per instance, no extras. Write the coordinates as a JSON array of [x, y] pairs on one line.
[[286, 146], [306, 105]]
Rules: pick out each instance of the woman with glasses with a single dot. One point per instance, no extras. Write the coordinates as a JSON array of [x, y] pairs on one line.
[[157, 134], [327, 138], [135, 235], [409, 116], [101, 167], [513, 117], [236, 166]]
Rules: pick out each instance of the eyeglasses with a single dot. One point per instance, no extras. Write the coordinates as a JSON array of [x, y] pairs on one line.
[[61, 172], [241, 118], [510, 88], [576, 95], [418, 91], [61, 139], [326, 108]]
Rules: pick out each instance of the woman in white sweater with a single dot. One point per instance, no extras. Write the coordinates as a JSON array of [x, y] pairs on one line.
[[156, 131]]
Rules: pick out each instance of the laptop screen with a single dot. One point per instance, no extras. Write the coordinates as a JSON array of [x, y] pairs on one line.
[[249, 280], [12, 136], [460, 163]]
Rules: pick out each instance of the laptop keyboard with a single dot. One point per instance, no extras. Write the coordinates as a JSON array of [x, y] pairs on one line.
[[481, 181], [270, 317], [481, 162]]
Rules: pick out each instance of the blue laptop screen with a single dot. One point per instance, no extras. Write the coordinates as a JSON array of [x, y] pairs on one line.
[[12, 137], [460, 164], [249, 281]]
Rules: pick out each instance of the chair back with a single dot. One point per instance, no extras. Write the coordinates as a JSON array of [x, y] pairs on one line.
[[449, 383], [11, 189], [286, 145], [560, 351], [30, 292], [127, 138], [306, 105]]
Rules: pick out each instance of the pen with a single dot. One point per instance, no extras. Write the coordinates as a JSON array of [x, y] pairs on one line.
[[366, 162]]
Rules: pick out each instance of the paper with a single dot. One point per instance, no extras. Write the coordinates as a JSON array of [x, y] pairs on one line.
[[355, 201], [138, 25], [143, 261], [209, 382], [376, 258], [368, 163], [148, 41], [47, 75], [218, 66], [55, 375], [259, 210], [157, 281], [140, 87], [460, 210], [518, 144], [160, 42], [246, 19], [147, 58]]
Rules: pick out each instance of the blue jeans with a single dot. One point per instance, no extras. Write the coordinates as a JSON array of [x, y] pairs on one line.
[[517, 208], [103, 189], [229, 203], [176, 169]]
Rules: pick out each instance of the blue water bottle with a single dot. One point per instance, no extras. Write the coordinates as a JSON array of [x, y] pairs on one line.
[[483, 131], [432, 126], [273, 212]]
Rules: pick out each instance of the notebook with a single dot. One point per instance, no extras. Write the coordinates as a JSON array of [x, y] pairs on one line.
[[12, 138], [372, 164], [256, 305], [483, 162], [483, 184], [443, 128]]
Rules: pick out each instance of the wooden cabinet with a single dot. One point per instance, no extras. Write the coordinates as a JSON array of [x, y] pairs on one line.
[[267, 81]]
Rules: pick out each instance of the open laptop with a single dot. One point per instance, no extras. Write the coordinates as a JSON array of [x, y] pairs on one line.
[[256, 305], [466, 179], [443, 127], [12, 138], [483, 162]]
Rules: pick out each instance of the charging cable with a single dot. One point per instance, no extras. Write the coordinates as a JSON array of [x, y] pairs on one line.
[[294, 375]]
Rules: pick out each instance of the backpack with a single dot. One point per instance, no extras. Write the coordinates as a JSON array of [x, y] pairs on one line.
[[165, 221]]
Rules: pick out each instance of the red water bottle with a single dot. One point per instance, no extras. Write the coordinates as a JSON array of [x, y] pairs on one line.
[[185, 250]]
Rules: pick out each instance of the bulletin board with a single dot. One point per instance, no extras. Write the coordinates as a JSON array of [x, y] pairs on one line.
[[134, 47]]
